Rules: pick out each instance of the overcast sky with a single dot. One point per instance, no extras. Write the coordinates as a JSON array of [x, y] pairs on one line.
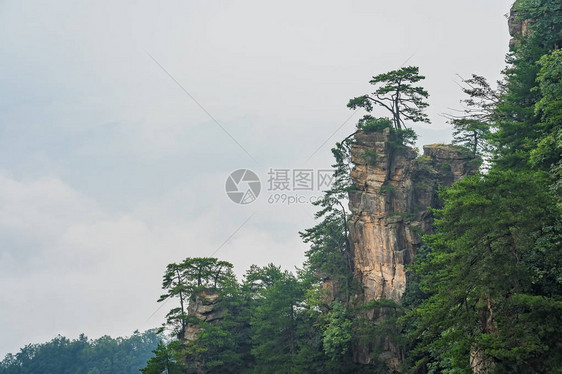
[[109, 170]]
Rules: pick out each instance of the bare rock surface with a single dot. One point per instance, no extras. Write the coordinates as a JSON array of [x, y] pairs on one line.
[[205, 308], [389, 204]]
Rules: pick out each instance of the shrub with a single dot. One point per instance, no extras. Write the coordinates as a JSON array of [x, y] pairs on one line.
[[371, 124], [369, 157], [386, 188]]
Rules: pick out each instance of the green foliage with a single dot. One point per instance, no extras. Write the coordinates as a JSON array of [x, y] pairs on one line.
[[386, 188], [396, 92], [184, 280], [337, 336], [398, 137], [487, 261], [371, 124], [220, 345], [65, 356], [516, 132], [215, 350], [274, 323], [548, 153], [471, 134], [404, 137], [165, 360], [472, 125], [267, 327], [369, 157], [545, 21], [329, 257], [518, 124], [548, 79]]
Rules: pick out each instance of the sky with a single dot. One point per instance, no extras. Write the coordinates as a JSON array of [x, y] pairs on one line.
[[120, 122]]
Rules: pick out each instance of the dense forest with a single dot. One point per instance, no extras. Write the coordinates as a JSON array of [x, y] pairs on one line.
[[83, 355], [484, 292]]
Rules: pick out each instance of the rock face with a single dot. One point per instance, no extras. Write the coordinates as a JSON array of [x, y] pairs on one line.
[[205, 308], [389, 214], [517, 28]]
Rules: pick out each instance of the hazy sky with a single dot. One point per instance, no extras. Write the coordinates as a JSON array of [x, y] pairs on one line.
[[109, 170]]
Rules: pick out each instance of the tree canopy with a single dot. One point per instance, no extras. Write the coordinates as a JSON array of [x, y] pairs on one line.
[[83, 355], [396, 92], [184, 280]]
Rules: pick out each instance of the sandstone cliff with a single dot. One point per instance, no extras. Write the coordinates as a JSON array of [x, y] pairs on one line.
[[393, 189], [205, 308]]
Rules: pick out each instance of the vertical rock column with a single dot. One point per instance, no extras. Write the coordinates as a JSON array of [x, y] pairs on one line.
[[393, 189]]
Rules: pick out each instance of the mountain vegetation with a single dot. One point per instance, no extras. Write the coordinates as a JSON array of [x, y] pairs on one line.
[[83, 356]]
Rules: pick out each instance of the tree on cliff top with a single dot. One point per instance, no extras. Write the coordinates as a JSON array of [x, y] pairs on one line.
[[185, 279], [395, 91], [473, 122]]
